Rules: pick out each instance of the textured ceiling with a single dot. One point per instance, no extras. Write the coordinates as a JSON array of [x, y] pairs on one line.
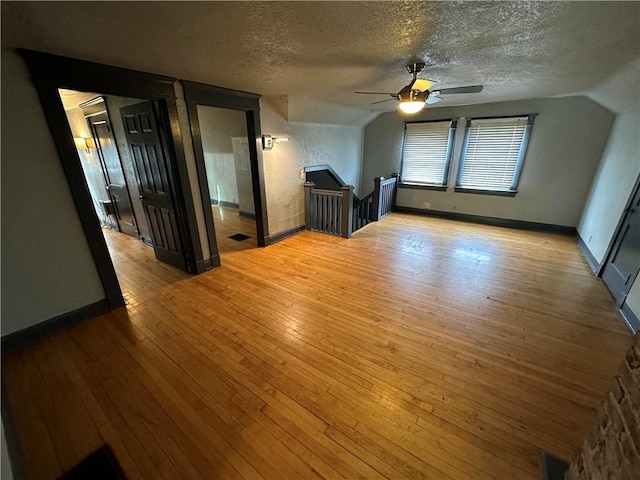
[[325, 50], [72, 99]]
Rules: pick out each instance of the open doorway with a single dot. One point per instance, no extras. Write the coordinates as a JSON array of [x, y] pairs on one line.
[[230, 117], [227, 162], [171, 199], [125, 178], [106, 161]]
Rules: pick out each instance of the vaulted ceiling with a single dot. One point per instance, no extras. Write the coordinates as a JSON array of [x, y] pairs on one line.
[[323, 51]]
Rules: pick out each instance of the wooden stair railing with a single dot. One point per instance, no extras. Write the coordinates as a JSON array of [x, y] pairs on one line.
[[362, 212], [384, 196], [325, 178], [339, 212], [329, 211]]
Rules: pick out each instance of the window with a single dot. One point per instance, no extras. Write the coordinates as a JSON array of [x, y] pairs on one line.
[[426, 153], [493, 153]]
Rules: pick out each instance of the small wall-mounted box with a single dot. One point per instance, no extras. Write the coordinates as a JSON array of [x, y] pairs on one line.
[[267, 142]]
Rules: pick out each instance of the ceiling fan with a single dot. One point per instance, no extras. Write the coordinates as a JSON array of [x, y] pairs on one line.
[[413, 97]]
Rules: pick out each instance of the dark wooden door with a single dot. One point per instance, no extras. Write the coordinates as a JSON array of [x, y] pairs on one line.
[[154, 181], [114, 176], [623, 263]]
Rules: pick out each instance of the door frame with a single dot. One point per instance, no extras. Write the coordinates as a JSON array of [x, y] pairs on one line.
[[105, 171], [613, 244], [618, 229], [201, 94], [51, 72]]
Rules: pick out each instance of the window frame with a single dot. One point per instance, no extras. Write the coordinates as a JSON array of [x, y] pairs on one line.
[[453, 125], [519, 162]]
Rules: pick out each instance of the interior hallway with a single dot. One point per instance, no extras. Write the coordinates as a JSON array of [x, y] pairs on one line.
[[420, 348]]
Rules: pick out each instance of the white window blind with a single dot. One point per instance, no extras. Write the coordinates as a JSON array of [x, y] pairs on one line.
[[494, 150], [425, 155]]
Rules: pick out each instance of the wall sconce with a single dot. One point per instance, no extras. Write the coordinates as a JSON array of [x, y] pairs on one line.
[[269, 140], [84, 143]]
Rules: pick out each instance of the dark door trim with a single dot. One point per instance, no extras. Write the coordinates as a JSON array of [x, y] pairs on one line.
[[201, 94], [51, 72]]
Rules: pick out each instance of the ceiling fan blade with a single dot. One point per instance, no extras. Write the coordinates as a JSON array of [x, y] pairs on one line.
[[376, 93], [469, 89], [382, 101], [433, 99], [422, 84]]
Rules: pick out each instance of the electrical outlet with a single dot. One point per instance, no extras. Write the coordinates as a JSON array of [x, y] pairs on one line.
[[302, 174]]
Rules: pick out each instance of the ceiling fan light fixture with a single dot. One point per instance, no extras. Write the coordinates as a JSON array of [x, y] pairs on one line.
[[411, 106], [411, 101]]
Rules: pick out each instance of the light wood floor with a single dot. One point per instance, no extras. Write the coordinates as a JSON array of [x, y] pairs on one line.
[[420, 348], [140, 275], [228, 222]]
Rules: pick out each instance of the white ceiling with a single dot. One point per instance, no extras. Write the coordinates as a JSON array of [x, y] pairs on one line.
[[72, 99], [323, 51]]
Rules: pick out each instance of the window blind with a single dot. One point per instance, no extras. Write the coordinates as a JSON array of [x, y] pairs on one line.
[[426, 152], [493, 152]]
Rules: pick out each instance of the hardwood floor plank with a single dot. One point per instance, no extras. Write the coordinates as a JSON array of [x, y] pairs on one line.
[[33, 440], [80, 388], [385, 463], [302, 417], [420, 348], [171, 421], [41, 424], [226, 444], [74, 430], [250, 441], [447, 395], [107, 397]]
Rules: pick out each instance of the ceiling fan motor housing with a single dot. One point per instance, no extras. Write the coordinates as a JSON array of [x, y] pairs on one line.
[[409, 95]]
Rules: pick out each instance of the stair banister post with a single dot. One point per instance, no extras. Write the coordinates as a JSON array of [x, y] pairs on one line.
[[307, 204], [395, 189], [347, 211], [375, 210]]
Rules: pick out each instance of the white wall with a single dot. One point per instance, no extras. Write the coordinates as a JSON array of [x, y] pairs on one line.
[[611, 189], [242, 162], [311, 144], [301, 109], [615, 177], [566, 144], [228, 175], [47, 268], [221, 176]]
